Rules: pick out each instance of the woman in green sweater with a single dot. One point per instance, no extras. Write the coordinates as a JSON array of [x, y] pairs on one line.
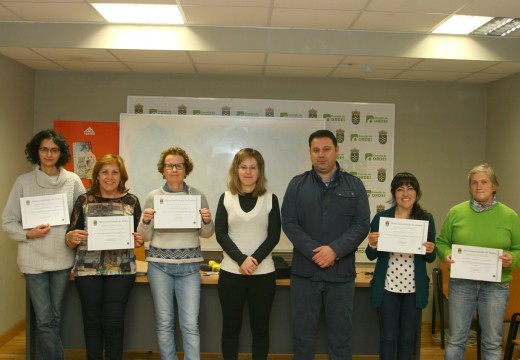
[[484, 222]]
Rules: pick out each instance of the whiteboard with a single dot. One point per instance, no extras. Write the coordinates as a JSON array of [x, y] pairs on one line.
[[212, 142]]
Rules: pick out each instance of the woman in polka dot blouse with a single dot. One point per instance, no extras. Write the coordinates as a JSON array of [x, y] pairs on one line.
[[399, 289]]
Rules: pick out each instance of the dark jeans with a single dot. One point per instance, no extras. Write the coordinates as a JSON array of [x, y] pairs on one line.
[[308, 296], [103, 302], [398, 317], [233, 291], [47, 291]]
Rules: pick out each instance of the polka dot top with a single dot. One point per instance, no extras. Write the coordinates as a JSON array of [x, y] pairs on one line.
[[400, 275]]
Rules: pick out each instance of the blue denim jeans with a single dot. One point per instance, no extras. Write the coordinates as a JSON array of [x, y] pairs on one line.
[[307, 298], [47, 291], [490, 299], [398, 318], [182, 282]]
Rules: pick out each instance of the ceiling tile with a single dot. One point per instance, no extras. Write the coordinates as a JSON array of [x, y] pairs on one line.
[[6, 15], [152, 56], [378, 62], [502, 8], [416, 6], [55, 11], [344, 72], [229, 69], [75, 54], [398, 16], [161, 67], [452, 65], [482, 78], [42, 65], [227, 58], [93, 66], [321, 4], [431, 75], [312, 18], [404, 22], [303, 60], [226, 16], [20, 53], [241, 3], [504, 68], [297, 71]]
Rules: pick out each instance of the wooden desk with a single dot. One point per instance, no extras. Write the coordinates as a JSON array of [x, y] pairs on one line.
[[140, 332]]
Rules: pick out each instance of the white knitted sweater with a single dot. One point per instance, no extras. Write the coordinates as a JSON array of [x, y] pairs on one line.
[[49, 253]]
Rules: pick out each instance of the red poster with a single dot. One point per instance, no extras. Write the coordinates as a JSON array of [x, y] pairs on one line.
[[88, 140]]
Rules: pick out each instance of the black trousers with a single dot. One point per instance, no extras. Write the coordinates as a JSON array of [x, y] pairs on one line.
[[103, 303], [234, 291]]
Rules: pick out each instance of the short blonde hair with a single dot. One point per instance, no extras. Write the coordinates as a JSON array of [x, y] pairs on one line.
[[485, 168], [233, 182]]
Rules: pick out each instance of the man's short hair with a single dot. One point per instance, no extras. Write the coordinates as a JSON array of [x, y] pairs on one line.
[[321, 134]]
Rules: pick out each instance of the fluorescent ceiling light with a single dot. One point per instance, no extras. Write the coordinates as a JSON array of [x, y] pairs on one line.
[[139, 13], [499, 26], [461, 24]]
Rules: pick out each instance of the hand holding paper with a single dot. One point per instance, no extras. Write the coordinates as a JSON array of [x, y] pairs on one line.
[[402, 235], [476, 263], [178, 211], [110, 232], [46, 209]]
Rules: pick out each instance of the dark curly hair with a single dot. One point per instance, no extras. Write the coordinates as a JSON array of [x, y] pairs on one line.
[[32, 148]]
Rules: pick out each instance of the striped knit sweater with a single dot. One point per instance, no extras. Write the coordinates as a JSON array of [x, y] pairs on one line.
[[174, 246]]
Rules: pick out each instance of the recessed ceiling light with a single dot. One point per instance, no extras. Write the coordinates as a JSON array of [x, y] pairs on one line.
[[461, 24], [498, 26], [140, 13]]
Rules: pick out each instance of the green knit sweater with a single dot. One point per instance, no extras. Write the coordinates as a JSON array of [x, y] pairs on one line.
[[498, 228]]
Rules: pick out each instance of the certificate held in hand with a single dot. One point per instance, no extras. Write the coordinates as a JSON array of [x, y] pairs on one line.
[[476, 263], [110, 232], [177, 211], [402, 235], [46, 209]]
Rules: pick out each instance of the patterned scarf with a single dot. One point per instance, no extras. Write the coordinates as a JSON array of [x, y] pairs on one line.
[[480, 207]]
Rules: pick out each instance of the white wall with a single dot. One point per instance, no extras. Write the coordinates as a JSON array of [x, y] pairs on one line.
[[16, 128], [503, 134], [440, 127]]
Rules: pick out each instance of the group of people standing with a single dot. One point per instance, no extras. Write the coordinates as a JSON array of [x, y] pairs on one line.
[[325, 214]]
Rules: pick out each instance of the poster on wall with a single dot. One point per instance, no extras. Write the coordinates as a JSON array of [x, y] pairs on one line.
[[365, 132], [88, 140]]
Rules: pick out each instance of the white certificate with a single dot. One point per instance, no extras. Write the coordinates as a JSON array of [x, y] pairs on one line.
[[110, 232], [476, 263], [46, 209], [402, 235], [177, 211]]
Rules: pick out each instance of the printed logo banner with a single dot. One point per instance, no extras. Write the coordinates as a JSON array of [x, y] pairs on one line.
[[365, 132]]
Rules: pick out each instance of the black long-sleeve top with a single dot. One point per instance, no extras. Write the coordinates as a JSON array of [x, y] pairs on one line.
[[247, 203]]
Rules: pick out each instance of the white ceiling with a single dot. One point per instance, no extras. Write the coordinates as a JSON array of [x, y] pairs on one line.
[[378, 39]]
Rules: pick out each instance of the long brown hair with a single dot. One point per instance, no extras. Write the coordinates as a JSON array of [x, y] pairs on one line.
[[233, 183]]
